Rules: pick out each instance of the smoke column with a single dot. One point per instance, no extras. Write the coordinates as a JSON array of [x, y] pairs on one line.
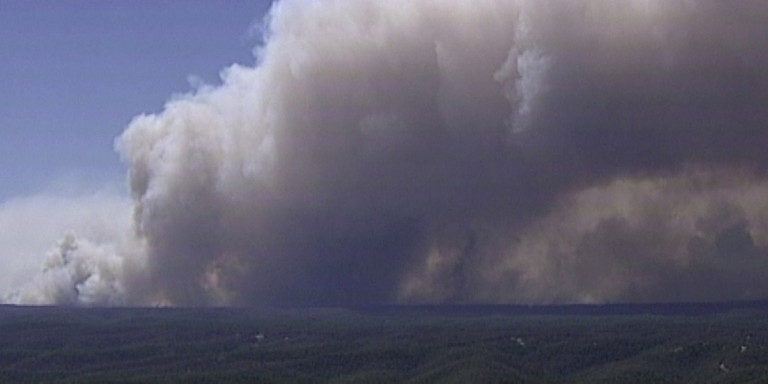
[[451, 152]]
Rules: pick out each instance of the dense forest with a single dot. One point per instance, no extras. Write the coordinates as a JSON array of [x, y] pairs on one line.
[[724, 343]]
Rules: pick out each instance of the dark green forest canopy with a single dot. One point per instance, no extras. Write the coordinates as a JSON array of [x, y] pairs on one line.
[[608, 344]]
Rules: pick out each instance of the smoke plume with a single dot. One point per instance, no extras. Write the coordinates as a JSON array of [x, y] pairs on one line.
[[452, 151]]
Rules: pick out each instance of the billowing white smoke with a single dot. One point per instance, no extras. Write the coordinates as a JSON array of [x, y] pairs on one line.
[[76, 271], [462, 151]]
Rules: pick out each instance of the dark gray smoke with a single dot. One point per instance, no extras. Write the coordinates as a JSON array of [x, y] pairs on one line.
[[462, 151]]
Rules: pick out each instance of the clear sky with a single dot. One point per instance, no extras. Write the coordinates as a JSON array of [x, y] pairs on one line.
[[74, 73]]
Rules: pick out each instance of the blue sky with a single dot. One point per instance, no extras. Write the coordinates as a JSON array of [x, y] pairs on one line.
[[74, 73]]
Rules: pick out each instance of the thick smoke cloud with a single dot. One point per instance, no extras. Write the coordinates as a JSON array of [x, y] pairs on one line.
[[459, 151], [87, 266], [698, 236]]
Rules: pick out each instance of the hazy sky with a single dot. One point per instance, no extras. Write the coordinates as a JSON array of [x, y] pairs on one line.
[[74, 73]]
